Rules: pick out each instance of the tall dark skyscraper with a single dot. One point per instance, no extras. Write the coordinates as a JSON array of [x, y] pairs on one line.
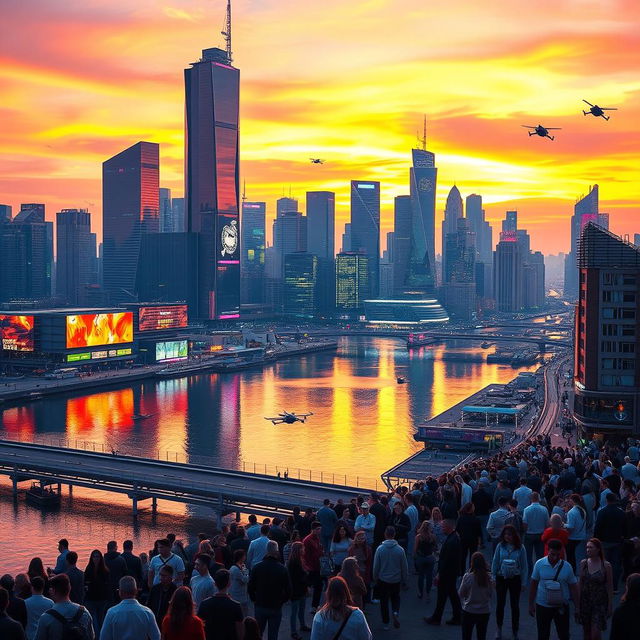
[[453, 211], [74, 260], [26, 255], [402, 233], [507, 273], [289, 236], [285, 205], [510, 222], [321, 223], [584, 211], [482, 229], [253, 251], [212, 190], [301, 280], [459, 256], [166, 211], [607, 344], [5, 212], [365, 227], [130, 209], [178, 214], [352, 282]]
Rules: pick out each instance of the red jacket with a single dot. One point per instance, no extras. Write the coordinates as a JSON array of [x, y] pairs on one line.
[[312, 553]]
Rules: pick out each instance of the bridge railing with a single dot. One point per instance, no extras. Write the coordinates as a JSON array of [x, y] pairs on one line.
[[168, 455]]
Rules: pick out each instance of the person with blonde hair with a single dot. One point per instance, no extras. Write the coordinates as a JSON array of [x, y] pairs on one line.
[[338, 618]]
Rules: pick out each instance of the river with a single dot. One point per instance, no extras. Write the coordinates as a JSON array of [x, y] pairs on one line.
[[362, 424]]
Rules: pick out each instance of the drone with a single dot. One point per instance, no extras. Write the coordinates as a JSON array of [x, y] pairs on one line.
[[541, 131], [316, 160], [289, 417], [597, 111]]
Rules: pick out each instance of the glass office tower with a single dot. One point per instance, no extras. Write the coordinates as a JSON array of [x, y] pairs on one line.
[[365, 227]]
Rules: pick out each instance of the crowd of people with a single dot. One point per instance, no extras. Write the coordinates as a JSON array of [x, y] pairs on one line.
[[559, 524]]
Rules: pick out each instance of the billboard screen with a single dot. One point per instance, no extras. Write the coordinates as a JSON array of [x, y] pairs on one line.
[[158, 318], [97, 329], [16, 332], [172, 350]]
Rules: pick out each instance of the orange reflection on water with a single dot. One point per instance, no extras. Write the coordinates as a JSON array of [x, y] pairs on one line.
[[100, 414]]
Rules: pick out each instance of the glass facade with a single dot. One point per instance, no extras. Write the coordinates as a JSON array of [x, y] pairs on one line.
[[253, 226], [211, 177], [301, 285], [352, 280], [365, 226]]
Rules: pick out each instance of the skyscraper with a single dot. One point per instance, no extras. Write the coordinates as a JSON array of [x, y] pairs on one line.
[[533, 281], [510, 222], [212, 189], [286, 205], [459, 285], [166, 211], [289, 236], [252, 256], [301, 285], [321, 215], [346, 238], [402, 233], [130, 209], [178, 214], [584, 211], [5, 212], [365, 226], [607, 344], [507, 274], [482, 229], [74, 259], [453, 211], [352, 282]]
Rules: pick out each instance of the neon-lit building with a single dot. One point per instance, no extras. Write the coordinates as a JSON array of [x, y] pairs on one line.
[[212, 94]]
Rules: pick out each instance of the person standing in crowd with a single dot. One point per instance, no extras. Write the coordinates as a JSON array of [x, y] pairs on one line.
[[475, 594], [448, 572], [311, 555], [298, 579], [9, 628], [624, 623], [270, 588], [361, 551], [522, 495], [555, 531], [483, 503], [239, 579], [497, 520], [338, 618], [221, 614], [553, 585], [16, 609], [63, 612], [577, 529], [129, 620], [63, 549], [36, 568], [253, 530], [76, 578], [424, 558], [327, 517], [201, 584], [36, 605], [379, 512], [468, 528], [96, 581], [610, 530], [390, 573], [366, 522], [160, 594], [180, 623], [510, 570], [411, 511], [535, 519], [258, 547], [339, 548], [595, 585], [165, 557], [133, 562], [401, 523], [117, 569], [351, 575]]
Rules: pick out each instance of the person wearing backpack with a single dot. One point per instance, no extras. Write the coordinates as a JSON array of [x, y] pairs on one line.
[[510, 571], [66, 620], [553, 584]]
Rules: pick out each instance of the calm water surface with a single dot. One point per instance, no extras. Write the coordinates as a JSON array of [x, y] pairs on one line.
[[362, 425]]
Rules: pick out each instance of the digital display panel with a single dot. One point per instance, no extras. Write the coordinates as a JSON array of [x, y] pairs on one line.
[[172, 350], [459, 435], [160, 318], [16, 332], [98, 329]]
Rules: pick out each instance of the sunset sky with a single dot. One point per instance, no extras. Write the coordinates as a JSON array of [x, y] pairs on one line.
[[343, 80]]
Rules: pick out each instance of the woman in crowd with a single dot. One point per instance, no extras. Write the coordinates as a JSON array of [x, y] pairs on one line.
[[361, 551], [339, 547], [251, 629], [510, 570], [436, 525], [295, 537], [595, 582], [624, 623], [338, 618], [475, 593], [96, 583], [424, 555], [299, 585], [352, 577], [181, 623], [239, 579], [36, 568], [401, 523]]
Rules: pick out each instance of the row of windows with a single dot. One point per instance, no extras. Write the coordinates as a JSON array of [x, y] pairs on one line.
[[617, 381], [618, 296], [611, 313], [610, 346], [628, 330], [627, 364], [618, 279]]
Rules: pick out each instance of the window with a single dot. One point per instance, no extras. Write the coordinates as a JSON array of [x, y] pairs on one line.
[[628, 364], [628, 279], [628, 314], [616, 381], [611, 278], [608, 363], [607, 313], [628, 347], [628, 330], [606, 346], [629, 297], [609, 329]]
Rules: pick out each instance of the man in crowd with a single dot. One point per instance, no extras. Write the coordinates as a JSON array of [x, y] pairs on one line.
[[258, 547], [202, 585], [366, 522], [16, 608], [611, 524], [165, 557], [390, 573], [221, 614], [535, 519], [327, 518], [76, 578], [9, 628], [117, 568], [160, 594], [134, 565], [63, 549], [36, 605]]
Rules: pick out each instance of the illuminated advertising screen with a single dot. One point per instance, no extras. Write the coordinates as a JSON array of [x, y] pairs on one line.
[[159, 318], [16, 332], [99, 329], [172, 350]]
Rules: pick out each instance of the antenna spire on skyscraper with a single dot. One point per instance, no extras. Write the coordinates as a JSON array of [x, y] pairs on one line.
[[227, 32], [424, 134]]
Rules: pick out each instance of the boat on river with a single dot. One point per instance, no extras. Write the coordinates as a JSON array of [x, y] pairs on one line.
[[42, 497]]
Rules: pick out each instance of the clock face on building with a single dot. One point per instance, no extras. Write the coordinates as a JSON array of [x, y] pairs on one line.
[[425, 184], [229, 238]]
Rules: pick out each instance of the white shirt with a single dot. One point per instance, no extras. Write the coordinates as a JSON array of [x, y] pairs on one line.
[[356, 628], [129, 620], [36, 606], [536, 518], [256, 551], [367, 523], [523, 495], [543, 570], [202, 587], [174, 561]]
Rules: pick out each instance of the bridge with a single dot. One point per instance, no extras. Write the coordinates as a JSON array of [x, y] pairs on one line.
[[140, 478], [541, 341]]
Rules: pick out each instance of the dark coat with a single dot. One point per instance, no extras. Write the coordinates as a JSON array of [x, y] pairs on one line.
[[449, 562], [269, 584]]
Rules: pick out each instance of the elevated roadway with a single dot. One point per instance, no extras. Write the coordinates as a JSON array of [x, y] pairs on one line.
[[144, 478]]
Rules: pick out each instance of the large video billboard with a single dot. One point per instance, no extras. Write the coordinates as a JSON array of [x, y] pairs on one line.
[[172, 350], [96, 329], [159, 318], [16, 332]]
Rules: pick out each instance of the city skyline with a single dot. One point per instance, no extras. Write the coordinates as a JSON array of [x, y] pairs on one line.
[[333, 105]]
